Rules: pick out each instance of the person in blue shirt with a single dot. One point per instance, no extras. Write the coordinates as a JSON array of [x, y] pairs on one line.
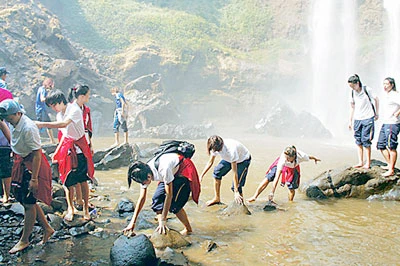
[[40, 105], [120, 115]]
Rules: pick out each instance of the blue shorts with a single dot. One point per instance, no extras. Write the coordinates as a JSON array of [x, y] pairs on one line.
[[181, 191], [364, 131], [224, 167], [271, 174], [117, 124], [388, 137]]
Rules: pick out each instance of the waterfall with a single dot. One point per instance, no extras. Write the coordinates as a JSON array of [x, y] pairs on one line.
[[392, 49], [333, 43]]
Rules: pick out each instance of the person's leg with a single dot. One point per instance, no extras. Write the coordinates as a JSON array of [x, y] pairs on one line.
[[292, 192], [182, 216], [367, 164], [29, 221], [358, 139], [217, 193], [6, 189], [391, 164], [386, 156], [367, 135], [85, 194], [48, 231], [220, 170], [360, 153], [126, 137], [50, 133], [263, 185], [116, 130], [69, 192], [78, 194]]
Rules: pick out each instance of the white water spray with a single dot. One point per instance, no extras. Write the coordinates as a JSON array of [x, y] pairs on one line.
[[392, 49], [333, 33]]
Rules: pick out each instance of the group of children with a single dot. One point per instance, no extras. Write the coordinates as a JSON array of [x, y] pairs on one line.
[[174, 188]]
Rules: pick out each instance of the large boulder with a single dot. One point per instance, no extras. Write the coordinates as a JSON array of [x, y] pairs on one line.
[[130, 251], [351, 182], [235, 209], [172, 239], [116, 157]]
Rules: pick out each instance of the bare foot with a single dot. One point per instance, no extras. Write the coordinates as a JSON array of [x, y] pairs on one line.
[[385, 167], [213, 202], [87, 217], [358, 165], [114, 145], [366, 166], [186, 232], [69, 216], [19, 247], [252, 199], [388, 173], [46, 235]]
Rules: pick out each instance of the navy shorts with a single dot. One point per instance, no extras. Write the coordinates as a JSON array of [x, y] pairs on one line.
[[224, 167], [271, 174], [79, 174], [118, 123], [364, 131], [388, 136], [181, 191], [6, 162], [21, 191]]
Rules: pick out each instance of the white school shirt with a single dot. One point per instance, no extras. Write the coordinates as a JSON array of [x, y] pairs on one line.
[[76, 129], [390, 105], [301, 157], [167, 168], [362, 105], [232, 151], [25, 137]]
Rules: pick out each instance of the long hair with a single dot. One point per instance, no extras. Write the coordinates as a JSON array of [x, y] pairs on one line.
[[355, 79], [138, 172], [392, 82], [76, 91]]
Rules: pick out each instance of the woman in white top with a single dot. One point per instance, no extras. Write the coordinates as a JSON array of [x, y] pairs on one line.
[[387, 142]]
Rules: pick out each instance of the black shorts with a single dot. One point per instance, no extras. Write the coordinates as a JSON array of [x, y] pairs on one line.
[[21, 191], [79, 174], [180, 195], [6, 162]]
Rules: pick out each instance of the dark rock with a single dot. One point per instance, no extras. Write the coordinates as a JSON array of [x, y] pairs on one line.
[[210, 245], [59, 204], [117, 157], [125, 205], [351, 182], [172, 239], [58, 190], [55, 221], [270, 206], [136, 250], [17, 209], [46, 208]]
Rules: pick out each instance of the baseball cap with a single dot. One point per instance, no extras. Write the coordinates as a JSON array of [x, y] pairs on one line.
[[3, 71], [9, 107]]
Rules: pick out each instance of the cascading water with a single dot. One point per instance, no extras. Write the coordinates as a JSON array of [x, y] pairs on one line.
[[392, 49], [333, 35]]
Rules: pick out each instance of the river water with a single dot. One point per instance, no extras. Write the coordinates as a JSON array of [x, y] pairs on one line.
[[305, 232]]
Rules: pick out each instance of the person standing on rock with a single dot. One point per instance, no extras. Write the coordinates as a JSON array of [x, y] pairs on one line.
[[234, 156], [31, 172], [388, 141], [73, 154], [364, 112], [120, 116], [286, 165], [3, 76], [177, 177], [40, 105]]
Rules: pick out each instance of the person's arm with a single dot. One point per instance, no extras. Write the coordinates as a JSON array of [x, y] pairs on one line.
[[139, 205], [55, 124], [207, 167], [351, 116], [314, 158], [238, 197], [43, 95], [33, 183], [376, 108], [276, 181], [162, 218], [6, 131], [124, 107]]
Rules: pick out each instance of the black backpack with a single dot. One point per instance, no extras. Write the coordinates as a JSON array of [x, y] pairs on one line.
[[174, 146]]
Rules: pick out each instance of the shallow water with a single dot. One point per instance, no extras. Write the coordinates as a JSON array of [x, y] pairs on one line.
[[306, 232]]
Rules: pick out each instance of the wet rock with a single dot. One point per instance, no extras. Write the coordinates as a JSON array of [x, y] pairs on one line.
[[76, 231], [235, 209], [136, 250], [172, 239], [55, 221], [58, 190], [59, 204], [171, 257], [125, 205], [117, 157], [210, 245], [46, 208], [270, 206], [351, 182], [17, 209]]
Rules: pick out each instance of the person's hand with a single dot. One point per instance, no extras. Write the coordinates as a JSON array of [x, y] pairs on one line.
[[33, 186], [376, 117], [271, 196], [350, 126], [162, 227], [238, 198], [128, 231], [316, 160]]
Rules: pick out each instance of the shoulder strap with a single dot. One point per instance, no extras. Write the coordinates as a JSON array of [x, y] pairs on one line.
[[369, 98]]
